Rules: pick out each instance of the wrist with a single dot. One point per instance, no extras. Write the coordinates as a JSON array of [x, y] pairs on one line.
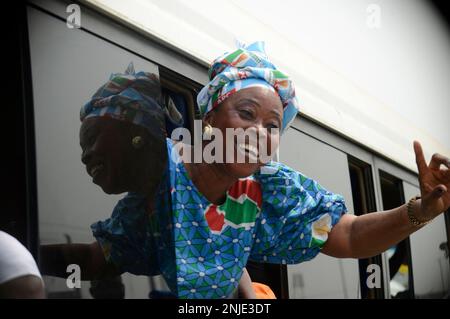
[[414, 213]]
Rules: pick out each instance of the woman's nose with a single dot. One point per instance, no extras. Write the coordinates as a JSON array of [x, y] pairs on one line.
[[262, 131], [259, 130]]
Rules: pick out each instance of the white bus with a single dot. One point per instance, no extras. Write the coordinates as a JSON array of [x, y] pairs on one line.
[[365, 156]]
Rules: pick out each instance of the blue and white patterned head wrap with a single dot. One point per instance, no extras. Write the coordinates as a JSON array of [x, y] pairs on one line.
[[247, 67]]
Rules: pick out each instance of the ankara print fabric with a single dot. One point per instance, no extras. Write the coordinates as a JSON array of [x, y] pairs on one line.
[[297, 215], [248, 66], [130, 97], [277, 216]]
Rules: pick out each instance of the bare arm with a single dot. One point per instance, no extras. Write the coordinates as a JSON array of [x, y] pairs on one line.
[[24, 287], [373, 233], [90, 258], [245, 287], [368, 235]]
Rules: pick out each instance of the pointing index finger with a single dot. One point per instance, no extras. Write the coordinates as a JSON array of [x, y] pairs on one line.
[[420, 159]]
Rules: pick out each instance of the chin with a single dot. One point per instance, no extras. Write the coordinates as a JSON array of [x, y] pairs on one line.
[[106, 189], [113, 192], [111, 189], [241, 170]]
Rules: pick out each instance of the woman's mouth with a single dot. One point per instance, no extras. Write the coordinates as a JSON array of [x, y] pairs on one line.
[[250, 150]]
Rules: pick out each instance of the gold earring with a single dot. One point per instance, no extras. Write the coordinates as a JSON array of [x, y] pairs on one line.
[[137, 142], [207, 132]]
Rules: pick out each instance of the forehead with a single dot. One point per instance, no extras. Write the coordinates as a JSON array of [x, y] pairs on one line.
[[94, 125], [90, 124], [260, 95]]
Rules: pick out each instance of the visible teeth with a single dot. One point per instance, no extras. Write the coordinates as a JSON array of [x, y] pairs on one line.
[[249, 148], [96, 168]]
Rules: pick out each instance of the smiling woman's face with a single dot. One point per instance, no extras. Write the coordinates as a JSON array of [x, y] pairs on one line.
[[105, 144], [255, 108], [112, 161]]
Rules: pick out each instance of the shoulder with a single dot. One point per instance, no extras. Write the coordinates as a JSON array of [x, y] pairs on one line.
[[280, 182], [275, 169], [278, 174], [15, 259], [174, 153], [11, 247]]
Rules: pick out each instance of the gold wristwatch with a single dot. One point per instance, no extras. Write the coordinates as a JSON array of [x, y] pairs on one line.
[[413, 219]]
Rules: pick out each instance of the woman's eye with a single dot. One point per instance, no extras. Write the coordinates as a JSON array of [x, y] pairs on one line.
[[271, 127], [246, 114]]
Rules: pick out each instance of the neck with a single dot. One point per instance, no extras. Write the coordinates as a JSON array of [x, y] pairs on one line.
[[210, 179], [147, 180], [147, 189]]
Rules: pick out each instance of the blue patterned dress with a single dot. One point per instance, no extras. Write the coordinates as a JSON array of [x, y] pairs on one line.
[[277, 215]]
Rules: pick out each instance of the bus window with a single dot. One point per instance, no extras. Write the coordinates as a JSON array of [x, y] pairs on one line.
[[68, 202], [400, 266], [364, 203], [323, 276], [182, 93]]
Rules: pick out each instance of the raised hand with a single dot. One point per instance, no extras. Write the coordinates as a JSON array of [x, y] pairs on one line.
[[434, 184]]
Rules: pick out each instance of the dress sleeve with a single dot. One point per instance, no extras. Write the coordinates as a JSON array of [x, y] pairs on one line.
[[296, 216], [127, 239]]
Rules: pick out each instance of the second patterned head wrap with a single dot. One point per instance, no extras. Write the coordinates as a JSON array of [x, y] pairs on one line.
[[247, 67], [130, 97]]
